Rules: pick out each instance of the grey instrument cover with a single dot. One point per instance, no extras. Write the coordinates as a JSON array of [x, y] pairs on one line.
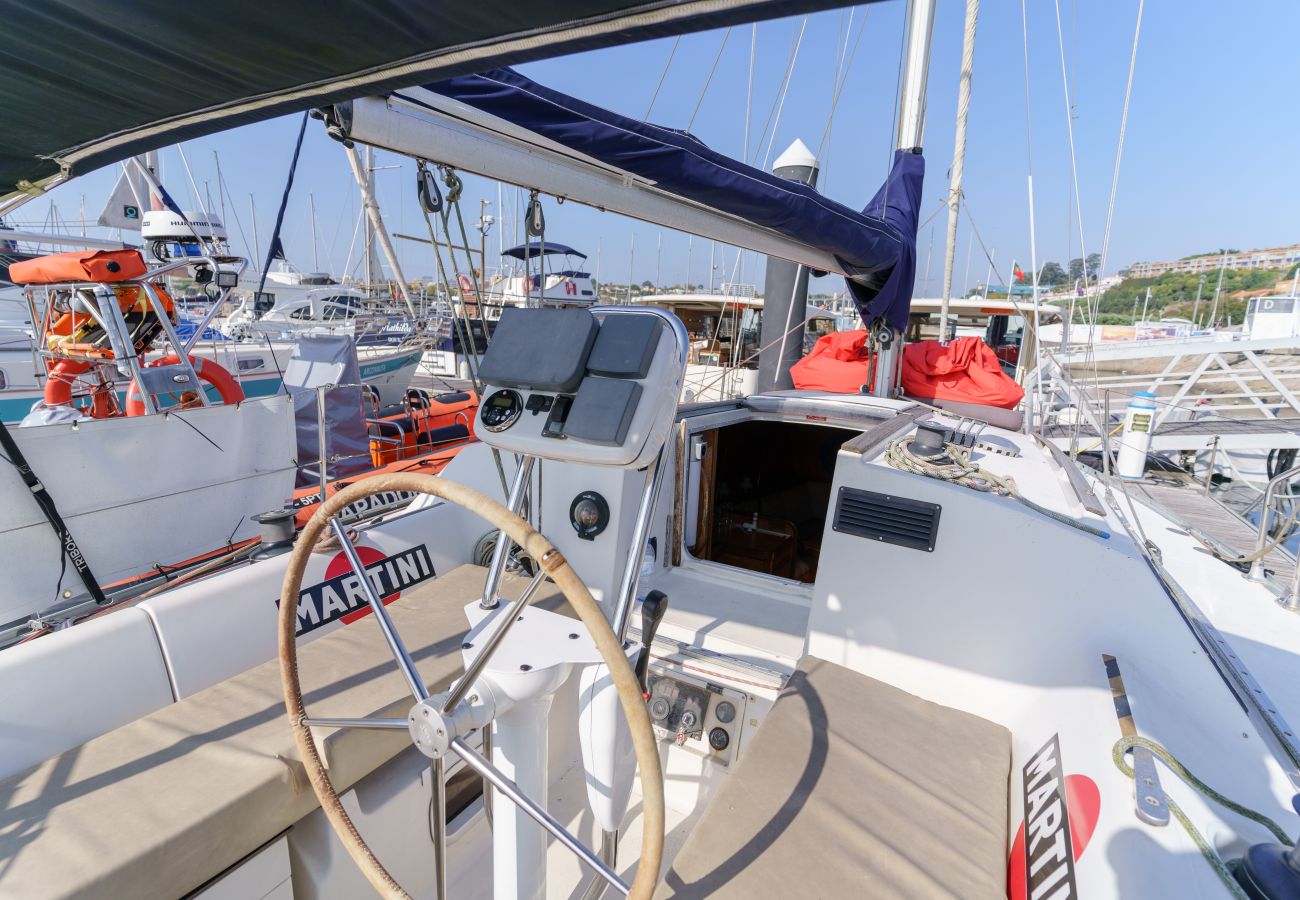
[[603, 410], [625, 346], [539, 349]]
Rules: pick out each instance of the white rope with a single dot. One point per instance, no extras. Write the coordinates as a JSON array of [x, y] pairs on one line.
[[1089, 358]]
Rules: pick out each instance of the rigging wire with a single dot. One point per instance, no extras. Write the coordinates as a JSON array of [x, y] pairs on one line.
[[898, 88], [789, 66], [1033, 234], [839, 92], [1119, 148], [749, 90], [1077, 213], [662, 76], [785, 87], [222, 190], [707, 81]]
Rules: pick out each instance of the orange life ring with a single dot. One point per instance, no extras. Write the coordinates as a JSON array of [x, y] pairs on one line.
[[206, 369], [58, 388]]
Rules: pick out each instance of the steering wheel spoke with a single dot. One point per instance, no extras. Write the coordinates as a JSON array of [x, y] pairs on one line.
[[495, 777], [446, 712], [405, 664], [508, 619], [337, 722]]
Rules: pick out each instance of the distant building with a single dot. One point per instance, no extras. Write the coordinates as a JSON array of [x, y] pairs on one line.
[[1268, 258]]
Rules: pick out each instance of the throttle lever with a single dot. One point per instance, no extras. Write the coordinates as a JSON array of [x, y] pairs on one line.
[[653, 608]]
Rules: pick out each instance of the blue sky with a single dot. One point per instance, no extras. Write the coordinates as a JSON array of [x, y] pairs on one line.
[[1209, 158]]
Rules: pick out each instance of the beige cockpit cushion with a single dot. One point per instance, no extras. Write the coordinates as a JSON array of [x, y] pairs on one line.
[[853, 788], [161, 805]]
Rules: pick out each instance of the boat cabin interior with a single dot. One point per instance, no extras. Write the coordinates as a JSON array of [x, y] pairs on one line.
[[762, 495], [737, 649]]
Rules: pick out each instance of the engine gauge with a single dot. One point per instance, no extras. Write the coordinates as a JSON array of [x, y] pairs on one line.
[[719, 739], [725, 711]]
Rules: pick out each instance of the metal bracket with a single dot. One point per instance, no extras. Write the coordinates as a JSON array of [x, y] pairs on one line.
[[1150, 804]]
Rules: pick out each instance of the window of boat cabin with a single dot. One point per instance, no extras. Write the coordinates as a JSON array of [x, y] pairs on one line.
[[721, 335], [764, 492]]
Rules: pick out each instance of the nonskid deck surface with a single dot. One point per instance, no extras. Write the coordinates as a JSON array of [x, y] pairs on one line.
[[165, 803], [1186, 502]]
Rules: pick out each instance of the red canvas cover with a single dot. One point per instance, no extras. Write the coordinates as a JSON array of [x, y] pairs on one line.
[[838, 362], [80, 265], [966, 370]]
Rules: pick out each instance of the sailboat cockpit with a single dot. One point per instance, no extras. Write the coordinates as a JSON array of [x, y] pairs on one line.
[[705, 644], [781, 643]]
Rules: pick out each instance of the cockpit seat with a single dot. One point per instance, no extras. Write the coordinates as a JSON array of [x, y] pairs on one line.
[[157, 807], [854, 788]]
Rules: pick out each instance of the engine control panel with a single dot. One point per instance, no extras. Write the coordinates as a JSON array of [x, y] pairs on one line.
[[697, 714], [597, 386]]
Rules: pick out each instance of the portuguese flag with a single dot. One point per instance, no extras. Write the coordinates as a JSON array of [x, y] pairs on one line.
[[1017, 273]]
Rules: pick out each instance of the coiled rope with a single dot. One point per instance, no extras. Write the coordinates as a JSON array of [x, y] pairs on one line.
[[956, 467], [1123, 745]]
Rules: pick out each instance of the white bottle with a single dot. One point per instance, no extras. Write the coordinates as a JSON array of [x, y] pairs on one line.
[[1135, 439]]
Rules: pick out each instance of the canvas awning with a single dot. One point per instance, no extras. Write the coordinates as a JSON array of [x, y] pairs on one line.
[[90, 82]]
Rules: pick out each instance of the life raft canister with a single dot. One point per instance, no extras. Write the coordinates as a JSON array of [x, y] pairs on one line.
[[79, 265], [206, 369]]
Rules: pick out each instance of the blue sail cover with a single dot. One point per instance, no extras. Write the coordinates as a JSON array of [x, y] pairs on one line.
[[876, 247]]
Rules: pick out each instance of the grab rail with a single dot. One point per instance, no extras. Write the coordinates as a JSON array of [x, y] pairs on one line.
[[1257, 567], [1082, 489]]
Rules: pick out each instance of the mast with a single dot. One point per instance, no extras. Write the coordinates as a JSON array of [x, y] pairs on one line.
[[367, 178], [315, 254], [958, 161], [785, 289], [375, 231], [631, 256], [910, 135], [1214, 307], [252, 214]]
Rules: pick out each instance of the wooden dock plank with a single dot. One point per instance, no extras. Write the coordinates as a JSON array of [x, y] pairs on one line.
[[1186, 503]]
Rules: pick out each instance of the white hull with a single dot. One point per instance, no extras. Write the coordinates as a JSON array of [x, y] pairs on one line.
[[140, 491], [257, 368]]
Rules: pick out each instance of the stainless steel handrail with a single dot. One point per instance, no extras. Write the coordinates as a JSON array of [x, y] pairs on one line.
[[1262, 540]]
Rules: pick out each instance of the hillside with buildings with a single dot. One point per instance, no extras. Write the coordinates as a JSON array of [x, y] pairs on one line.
[[1190, 287]]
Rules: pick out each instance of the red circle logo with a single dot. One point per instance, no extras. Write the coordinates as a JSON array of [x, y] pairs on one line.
[[1083, 806], [339, 565]]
